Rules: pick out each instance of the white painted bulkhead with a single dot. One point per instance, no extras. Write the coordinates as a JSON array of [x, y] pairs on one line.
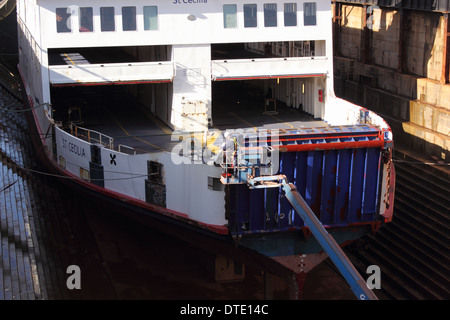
[[186, 185], [191, 104], [188, 192], [180, 23]]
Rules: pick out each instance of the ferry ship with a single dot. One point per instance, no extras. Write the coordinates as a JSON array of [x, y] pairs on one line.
[[187, 114]]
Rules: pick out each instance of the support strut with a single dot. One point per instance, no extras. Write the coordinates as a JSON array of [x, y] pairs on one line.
[[330, 246]]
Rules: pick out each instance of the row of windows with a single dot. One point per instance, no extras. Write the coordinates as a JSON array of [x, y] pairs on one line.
[[107, 19], [150, 15], [270, 15]]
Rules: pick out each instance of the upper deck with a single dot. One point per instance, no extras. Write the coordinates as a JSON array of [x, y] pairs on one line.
[[63, 25], [175, 42]]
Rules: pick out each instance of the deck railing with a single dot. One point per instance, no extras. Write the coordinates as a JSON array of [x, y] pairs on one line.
[[126, 149], [91, 136]]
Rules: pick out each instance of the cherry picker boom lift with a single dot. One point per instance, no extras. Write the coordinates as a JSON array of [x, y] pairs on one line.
[[334, 251], [277, 182]]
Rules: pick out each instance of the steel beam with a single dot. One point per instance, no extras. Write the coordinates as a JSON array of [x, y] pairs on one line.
[[337, 23], [326, 241], [330, 246], [366, 34], [402, 42], [446, 51]]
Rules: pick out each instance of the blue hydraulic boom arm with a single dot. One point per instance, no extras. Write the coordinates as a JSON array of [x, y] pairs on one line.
[[330, 246]]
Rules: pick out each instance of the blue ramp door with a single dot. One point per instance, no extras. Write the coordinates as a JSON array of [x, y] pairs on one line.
[[339, 185]]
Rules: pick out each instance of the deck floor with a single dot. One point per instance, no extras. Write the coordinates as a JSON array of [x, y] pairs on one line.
[[236, 106], [113, 112]]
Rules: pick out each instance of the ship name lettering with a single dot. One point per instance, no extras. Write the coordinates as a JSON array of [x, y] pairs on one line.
[[189, 1], [73, 148]]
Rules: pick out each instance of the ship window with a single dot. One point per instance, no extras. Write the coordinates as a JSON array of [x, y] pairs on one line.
[[309, 11], [86, 24], [215, 184], [107, 22], [63, 20], [129, 18], [270, 14], [151, 18], [250, 20], [229, 16], [154, 170], [290, 14]]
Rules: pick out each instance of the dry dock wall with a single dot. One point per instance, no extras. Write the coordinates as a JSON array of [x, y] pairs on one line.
[[395, 61]]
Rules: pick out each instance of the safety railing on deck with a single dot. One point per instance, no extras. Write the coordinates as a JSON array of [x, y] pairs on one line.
[[126, 149], [91, 136]]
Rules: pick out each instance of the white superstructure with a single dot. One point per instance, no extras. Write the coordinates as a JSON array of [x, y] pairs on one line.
[[182, 32]]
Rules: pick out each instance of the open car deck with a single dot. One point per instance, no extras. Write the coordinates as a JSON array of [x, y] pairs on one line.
[[113, 112]]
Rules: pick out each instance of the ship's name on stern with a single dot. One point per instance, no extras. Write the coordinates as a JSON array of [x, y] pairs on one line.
[[72, 147]]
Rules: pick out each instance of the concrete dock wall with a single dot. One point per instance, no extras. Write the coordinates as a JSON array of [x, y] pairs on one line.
[[395, 62]]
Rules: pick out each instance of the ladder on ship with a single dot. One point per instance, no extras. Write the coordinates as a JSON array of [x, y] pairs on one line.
[[327, 242]]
